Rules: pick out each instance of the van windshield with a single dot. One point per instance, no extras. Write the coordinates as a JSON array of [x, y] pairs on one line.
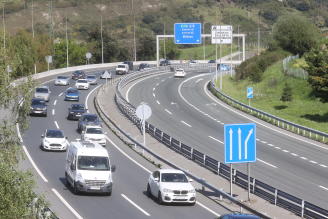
[[121, 66], [93, 163]]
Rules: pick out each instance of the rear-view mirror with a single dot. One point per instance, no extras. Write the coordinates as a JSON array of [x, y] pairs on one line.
[[190, 180], [156, 179]]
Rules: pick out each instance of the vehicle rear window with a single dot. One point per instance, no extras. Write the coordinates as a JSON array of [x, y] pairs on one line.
[[41, 90], [94, 131], [61, 77], [90, 118], [38, 102], [121, 66], [82, 81], [77, 107]]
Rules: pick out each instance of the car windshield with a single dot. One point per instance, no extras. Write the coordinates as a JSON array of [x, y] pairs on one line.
[[77, 107], [54, 134], [121, 66], [61, 77], [90, 118], [174, 177], [94, 131], [71, 91], [93, 163], [82, 81], [41, 90], [91, 77], [179, 70], [38, 102]]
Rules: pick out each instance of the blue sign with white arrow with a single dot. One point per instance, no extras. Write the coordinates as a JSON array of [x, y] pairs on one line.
[[250, 92], [240, 143], [188, 33]]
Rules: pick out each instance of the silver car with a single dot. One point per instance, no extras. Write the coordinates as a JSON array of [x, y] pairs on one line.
[[42, 93], [92, 79], [62, 80]]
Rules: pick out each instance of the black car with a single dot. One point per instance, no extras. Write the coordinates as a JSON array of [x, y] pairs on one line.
[[164, 62], [130, 64], [88, 119], [78, 75], [38, 107], [211, 61], [143, 66], [76, 111]]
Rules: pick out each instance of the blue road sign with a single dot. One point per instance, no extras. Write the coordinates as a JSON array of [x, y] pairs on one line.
[[240, 143], [187, 33], [250, 92]]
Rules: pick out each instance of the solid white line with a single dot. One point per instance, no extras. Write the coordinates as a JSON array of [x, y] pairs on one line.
[[56, 124], [203, 206], [154, 95], [34, 165], [66, 204], [168, 111], [271, 165], [216, 139], [158, 102], [60, 94], [323, 187], [186, 123], [18, 133], [53, 111], [55, 102], [199, 80], [135, 205], [86, 99]]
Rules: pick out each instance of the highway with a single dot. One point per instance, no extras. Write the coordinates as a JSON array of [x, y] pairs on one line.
[[185, 109], [128, 199]]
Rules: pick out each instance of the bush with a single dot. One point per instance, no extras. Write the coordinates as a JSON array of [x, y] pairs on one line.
[[286, 93]]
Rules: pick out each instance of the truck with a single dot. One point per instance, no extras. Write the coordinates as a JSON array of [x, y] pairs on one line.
[[88, 168], [122, 69]]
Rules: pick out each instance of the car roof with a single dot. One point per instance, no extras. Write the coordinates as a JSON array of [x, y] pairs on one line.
[[77, 104], [72, 88], [44, 86], [170, 171], [89, 114], [93, 126]]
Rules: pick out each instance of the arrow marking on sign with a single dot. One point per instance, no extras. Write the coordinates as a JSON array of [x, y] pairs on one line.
[[239, 144], [230, 133], [246, 142]]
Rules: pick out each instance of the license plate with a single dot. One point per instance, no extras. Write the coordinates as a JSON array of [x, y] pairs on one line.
[[95, 187]]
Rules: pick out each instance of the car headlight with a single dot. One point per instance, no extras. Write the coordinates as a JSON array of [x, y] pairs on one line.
[[167, 190], [192, 191]]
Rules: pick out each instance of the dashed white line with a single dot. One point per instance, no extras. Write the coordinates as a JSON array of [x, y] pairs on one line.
[[323, 187], [186, 123], [34, 165], [269, 164], [158, 102], [154, 88], [154, 95], [135, 205], [55, 102], [216, 139], [278, 148], [271, 145], [56, 124], [295, 155], [168, 111], [60, 94], [66, 203], [264, 142], [312, 161], [304, 158], [286, 151], [257, 139], [322, 165], [53, 111], [157, 84]]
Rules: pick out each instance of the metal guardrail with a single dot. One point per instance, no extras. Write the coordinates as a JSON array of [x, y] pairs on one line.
[[273, 195]]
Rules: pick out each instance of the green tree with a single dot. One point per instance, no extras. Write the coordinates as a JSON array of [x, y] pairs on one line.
[[172, 51], [295, 34], [317, 68], [76, 54], [287, 93], [146, 45]]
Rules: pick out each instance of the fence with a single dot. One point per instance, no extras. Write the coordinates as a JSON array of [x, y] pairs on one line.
[[259, 188], [295, 72]]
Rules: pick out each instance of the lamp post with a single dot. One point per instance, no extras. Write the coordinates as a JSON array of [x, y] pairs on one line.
[[9, 70]]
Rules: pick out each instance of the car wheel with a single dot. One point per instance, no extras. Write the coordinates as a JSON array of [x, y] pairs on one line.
[[148, 192], [159, 198], [193, 204], [66, 180], [75, 189]]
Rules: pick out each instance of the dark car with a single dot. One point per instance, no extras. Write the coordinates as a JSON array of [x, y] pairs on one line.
[[88, 119], [130, 64], [211, 61], [239, 216], [38, 107], [72, 94], [143, 66], [76, 111], [164, 62], [78, 75]]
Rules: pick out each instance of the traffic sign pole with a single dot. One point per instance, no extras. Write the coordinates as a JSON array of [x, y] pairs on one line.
[[231, 179], [248, 180]]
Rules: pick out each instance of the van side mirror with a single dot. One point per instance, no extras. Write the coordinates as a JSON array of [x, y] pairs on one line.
[[156, 179], [42, 136], [190, 180], [113, 168]]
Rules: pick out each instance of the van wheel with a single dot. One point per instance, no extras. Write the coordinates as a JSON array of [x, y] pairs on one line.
[[109, 193], [75, 189], [148, 192], [66, 179]]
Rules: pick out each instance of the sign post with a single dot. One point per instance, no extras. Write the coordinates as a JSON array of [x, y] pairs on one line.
[[249, 95], [240, 147], [143, 112], [187, 33], [48, 60], [88, 55]]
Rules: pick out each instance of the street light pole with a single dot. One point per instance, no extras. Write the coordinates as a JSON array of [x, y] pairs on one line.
[[102, 40], [66, 45], [164, 43], [33, 18], [134, 34], [4, 25]]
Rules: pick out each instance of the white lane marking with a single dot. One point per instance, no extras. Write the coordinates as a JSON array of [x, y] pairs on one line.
[[286, 151], [154, 88], [257, 139], [304, 158], [322, 165], [135, 205], [86, 99], [60, 94], [323, 187], [186, 123], [66, 204], [56, 124], [269, 164], [53, 111], [157, 84], [55, 102], [295, 155], [163, 80], [216, 139], [34, 165], [312, 161], [158, 102], [199, 80], [206, 208], [271, 145], [18, 133], [154, 95], [168, 111], [264, 142], [278, 148], [257, 122]]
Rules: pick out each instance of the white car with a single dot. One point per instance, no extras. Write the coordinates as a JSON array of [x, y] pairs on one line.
[[42, 92], [171, 186], [94, 134], [54, 139], [82, 84], [179, 73], [62, 80]]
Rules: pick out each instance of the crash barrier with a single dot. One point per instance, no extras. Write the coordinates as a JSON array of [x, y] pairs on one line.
[[273, 195]]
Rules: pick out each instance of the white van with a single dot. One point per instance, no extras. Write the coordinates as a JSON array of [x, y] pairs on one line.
[[88, 168], [122, 69]]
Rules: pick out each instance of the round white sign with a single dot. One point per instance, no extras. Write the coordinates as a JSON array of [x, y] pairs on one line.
[[88, 55], [143, 111]]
